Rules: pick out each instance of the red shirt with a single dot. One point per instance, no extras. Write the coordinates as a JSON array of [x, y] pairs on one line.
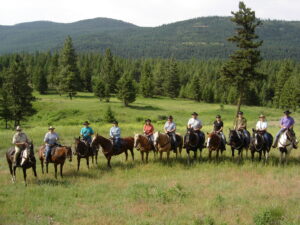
[[148, 129]]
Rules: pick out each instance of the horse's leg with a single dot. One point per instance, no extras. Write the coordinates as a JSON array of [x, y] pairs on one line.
[[168, 155], [252, 155], [47, 167], [14, 174], [132, 154], [188, 157], [209, 154], [25, 175], [160, 155], [217, 155], [88, 162], [260, 153], [126, 155], [142, 156], [96, 157], [78, 163], [10, 167], [55, 170], [281, 157], [92, 159], [108, 161], [61, 169], [42, 165], [232, 152], [147, 155], [34, 170], [195, 154]]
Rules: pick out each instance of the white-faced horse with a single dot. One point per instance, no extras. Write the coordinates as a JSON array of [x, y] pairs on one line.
[[285, 145]]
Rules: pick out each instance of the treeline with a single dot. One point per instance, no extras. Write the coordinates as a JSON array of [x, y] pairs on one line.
[[107, 75]]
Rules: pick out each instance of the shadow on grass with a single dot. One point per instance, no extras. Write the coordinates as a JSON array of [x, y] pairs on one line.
[[146, 107], [53, 182]]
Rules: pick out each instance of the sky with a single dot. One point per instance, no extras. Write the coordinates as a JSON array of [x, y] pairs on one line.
[[139, 12]]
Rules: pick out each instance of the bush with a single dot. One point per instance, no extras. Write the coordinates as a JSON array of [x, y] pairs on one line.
[[269, 216], [162, 117], [109, 115]]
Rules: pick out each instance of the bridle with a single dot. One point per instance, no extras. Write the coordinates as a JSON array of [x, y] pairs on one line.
[[230, 135]]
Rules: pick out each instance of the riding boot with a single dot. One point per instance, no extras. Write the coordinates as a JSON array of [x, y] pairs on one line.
[[275, 143]]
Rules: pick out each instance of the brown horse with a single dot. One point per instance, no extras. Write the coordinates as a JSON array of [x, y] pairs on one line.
[[60, 153], [108, 148], [162, 143], [214, 143], [83, 150], [142, 144], [26, 160]]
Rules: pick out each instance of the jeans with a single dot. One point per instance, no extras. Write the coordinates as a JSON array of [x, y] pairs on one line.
[[17, 153], [117, 142], [88, 139], [173, 137], [150, 138], [48, 152], [201, 137]]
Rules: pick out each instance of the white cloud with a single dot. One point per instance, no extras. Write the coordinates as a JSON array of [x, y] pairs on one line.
[[143, 13]]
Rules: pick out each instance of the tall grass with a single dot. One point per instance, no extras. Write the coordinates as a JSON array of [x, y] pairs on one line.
[[160, 192]]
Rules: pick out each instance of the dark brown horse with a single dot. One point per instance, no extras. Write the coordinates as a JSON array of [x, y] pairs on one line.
[[83, 150], [260, 145], [108, 148], [192, 142], [60, 153], [214, 143], [144, 145], [26, 160], [237, 143]]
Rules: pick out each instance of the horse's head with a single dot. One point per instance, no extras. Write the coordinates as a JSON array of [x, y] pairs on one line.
[[136, 140], [27, 153], [156, 139], [69, 153], [233, 136], [257, 137]]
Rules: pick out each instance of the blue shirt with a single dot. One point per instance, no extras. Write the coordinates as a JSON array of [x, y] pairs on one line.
[[170, 126], [51, 138], [115, 132], [86, 132], [287, 122]]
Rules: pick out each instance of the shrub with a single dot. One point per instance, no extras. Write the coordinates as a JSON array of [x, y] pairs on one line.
[[109, 115], [269, 216]]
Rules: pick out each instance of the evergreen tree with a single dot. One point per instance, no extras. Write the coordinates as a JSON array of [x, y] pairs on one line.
[[172, 83], [288, 98], [53, 78], [86, 77], [18, 94], [195, 89], [240, 70], [40, 80], [99, 89], [146, 83], [69, 74], [159, 74], [108, 71], [109, 115], [126, 89], [282, 77]]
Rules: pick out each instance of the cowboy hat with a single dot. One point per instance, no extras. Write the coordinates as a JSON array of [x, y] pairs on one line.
[[115, 122], [262, 116], [194, 114], [86, 123], [51, 128], [240, 113], [18, 128], [218, 116], [287, 112], [170, 117], [148, 120]]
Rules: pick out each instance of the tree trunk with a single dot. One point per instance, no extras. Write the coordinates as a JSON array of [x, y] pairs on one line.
[[70, 95], [6, 124], [239, 103]]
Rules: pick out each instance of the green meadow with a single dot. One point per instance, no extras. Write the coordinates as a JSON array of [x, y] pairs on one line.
[[160, 192]]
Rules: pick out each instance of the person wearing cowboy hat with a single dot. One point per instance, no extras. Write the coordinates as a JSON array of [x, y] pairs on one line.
[[218, 129], [149, 130], [262, 126], [86, 132], [196, 125], [50, 140], [286, 122], [115, 134], [241, 127], [19, 140], [170, 129]]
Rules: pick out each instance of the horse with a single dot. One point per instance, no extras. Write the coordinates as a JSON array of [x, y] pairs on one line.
[[192, 143], [58, 157], [258, 144], [108, 148], [237, 143], [214, 143], [26, 160], [144, 145], [83, 150], [285, 145], [162, 143]]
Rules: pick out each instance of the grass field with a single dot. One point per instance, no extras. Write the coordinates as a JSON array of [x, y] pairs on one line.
[[172, 192]]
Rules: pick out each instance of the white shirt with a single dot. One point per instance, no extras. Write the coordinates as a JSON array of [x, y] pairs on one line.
[[195, 123], [261, 125]]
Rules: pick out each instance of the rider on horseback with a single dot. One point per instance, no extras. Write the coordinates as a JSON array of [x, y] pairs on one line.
[[149, 130], [50, 140], [261, 126], [86, 132], [218, 129], [19, 140], [170, 128], [286, 122], [196, 125], [241, 127], [115, 134]]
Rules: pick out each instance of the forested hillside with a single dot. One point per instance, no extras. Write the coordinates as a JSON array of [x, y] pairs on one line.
[[200, 38]]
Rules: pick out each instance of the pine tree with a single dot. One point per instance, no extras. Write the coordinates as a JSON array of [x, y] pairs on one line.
[[109, 115], [159, 75], [40, 80], [195, 88], [69, 74], [282, 77], [288, 98], [18, 93], [172, 83], [126, 89], [240, 70], [146, 83], [86, 77], [99, 89], [108, 71]]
